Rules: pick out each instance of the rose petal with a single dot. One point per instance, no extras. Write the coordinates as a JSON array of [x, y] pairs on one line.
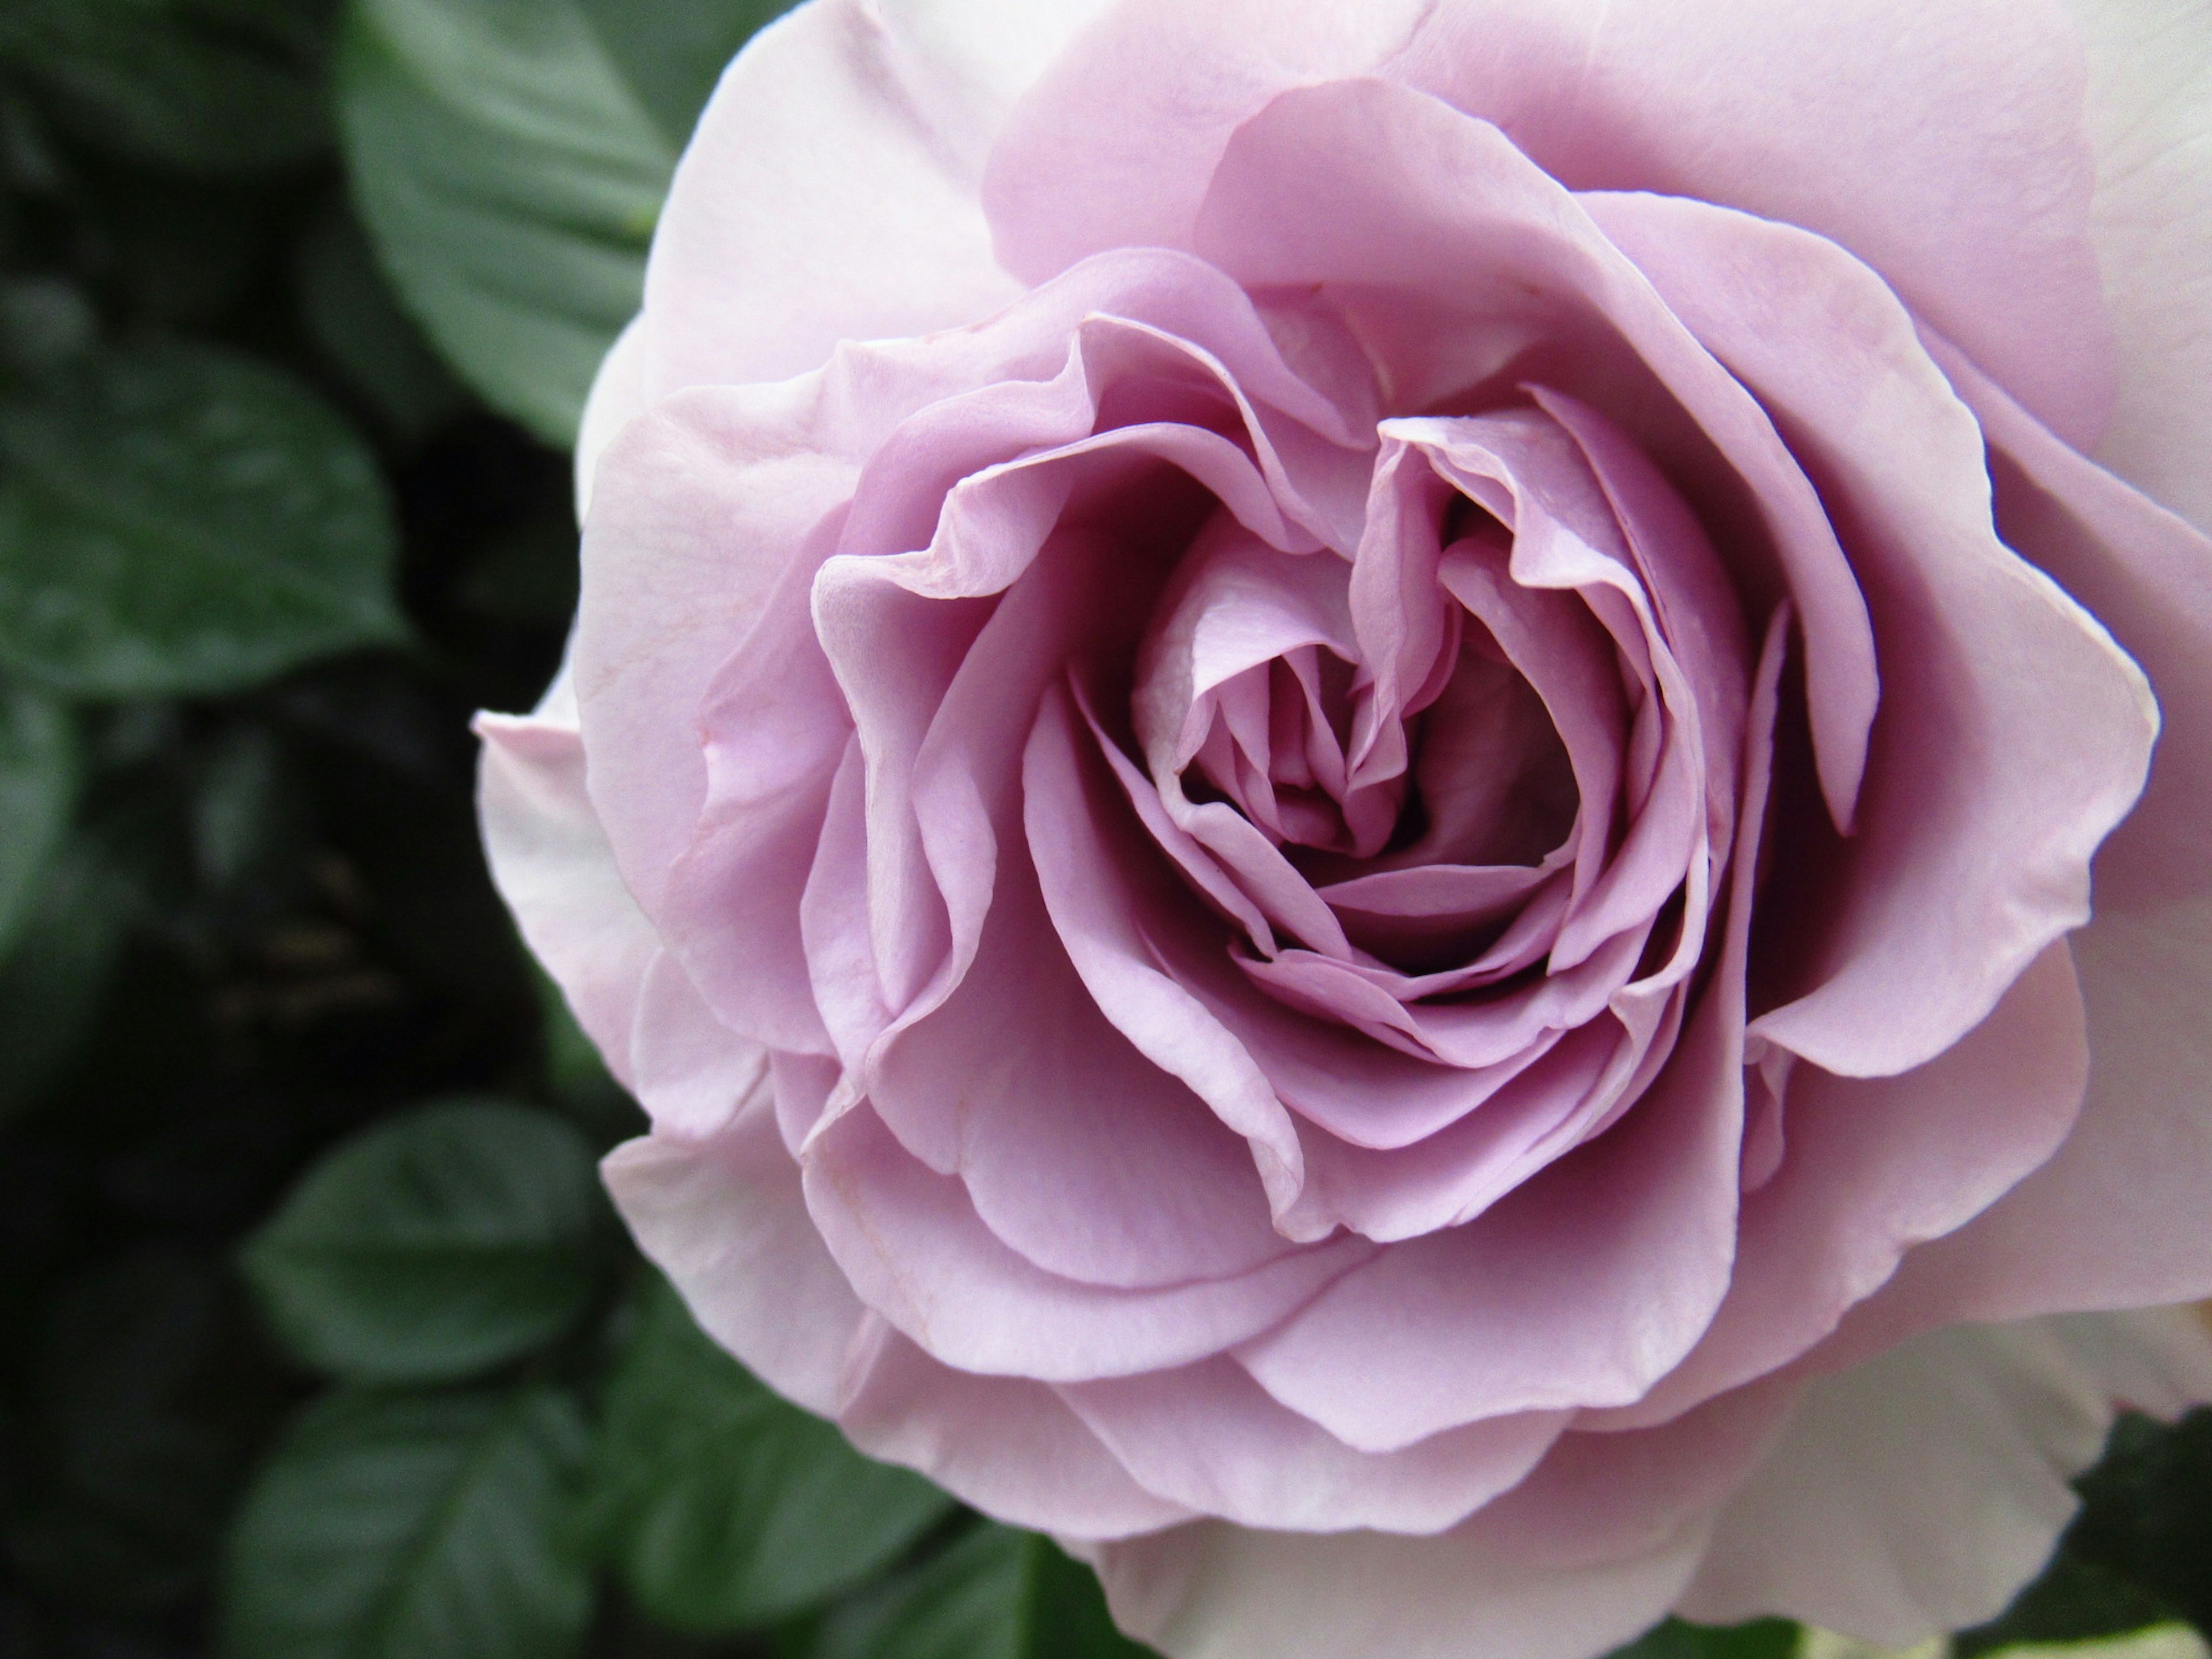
[[911, 1244], [2150, 100], [1874, 1166], [2014, 733], [828, 194], [1215, 1591], [1453, 251], [1915, 1493], [1207, 1436], [725, 1221], [1007, 1445], [550, 861], [2145, 574]]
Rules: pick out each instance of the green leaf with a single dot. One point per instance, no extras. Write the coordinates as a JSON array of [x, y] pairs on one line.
[[146, 1405], [511, 179], [178, 519], [723, 1506], [356, 321], [437, 1245], [67, 941], [673, 55], [510, 157], [414, 1526], [2072, 1600], [38, 777], [1762, 1638], [996, 1593], [205, 89]]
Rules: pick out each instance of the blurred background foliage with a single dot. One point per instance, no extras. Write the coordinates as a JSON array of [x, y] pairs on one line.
[[324, 1343]]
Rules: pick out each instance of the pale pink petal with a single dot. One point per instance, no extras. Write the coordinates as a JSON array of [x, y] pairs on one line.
[[1991, 784], [2116, 1218], [1113, 145], [1971, 193], [1582, 1287], [828, 194], [1209, 1437], [1915, 1493], [550, 861], [2150, 107], [617, 396], [1611, 1495], [1216, 1591], [725, 1221], [690, 1073], [1874, 1166], [1076, 1150], [911, 1244], [2146, 575], [1942, 145], [1007, 1445], [700, 507]]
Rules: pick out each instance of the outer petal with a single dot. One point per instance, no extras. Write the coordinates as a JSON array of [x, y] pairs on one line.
[[1007, 1445], [2116, 1218], [725, 1221], [1208, 1435], [1943, 145], [2150, 118], [1916, 1492], [828, 194], [2013, 735], [618, 397], [1214, 1591]]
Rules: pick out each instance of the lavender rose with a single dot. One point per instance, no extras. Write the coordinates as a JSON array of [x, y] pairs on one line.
[[1334, 772]]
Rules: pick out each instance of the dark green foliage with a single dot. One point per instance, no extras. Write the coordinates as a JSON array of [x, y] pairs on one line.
[[179, 519], [386, 1526], [996, 1594], [434, 1246], [722, 1506], [1766, 1638]]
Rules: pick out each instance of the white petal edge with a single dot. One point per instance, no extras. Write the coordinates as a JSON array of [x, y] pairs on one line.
[[1216, 1591], [550, 861], [1916, 1492], [2150, 120], [831, 191]]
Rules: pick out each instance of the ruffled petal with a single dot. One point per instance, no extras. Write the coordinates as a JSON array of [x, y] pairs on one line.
[[830, 193], [1007, 1445], [1916, 1492], [725, 1221], [1215, 1591], [2150, 106]]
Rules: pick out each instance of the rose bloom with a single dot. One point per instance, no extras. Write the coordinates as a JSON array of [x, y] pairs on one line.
[[1335, 769]]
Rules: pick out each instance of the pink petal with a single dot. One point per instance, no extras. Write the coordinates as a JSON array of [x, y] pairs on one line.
[[1874, 1166], [550, 861], [2146, 575], [2014, 733], [1207, 1436], [1469, 253], [1007, 1445], [2150, 82], [830, 193], [910, 1243], [1916, 1492], [724, 1220], [1077, 1152], [2116, 1218], [1217, 1591], [1943, 147]]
